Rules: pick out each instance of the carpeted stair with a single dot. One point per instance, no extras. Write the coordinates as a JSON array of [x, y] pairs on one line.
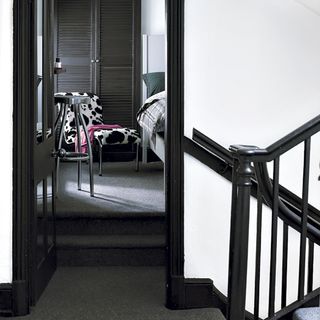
[[307, 314], [112, 240], [124, 224]]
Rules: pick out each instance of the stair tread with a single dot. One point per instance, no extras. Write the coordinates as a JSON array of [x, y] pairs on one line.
[[111, 257], [60, 215], [110, 241], [82, 226]]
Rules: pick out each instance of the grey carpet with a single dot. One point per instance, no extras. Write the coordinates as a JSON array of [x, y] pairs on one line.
[[113, 293], [120, 190], [307, 314], [112, 241]]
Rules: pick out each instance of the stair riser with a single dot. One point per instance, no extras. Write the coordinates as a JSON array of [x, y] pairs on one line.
[[110, 226], [112, 257]]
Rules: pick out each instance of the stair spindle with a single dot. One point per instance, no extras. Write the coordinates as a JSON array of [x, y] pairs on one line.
[[303, 237], [274, 234]]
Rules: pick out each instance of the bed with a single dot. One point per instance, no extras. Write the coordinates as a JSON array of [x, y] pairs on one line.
[[151, 118]]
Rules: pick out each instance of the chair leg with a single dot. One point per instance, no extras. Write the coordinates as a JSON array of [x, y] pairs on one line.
[[137, 156], [91, 176], [61, 133], [77, 120], [89, 150], [57, 177], [100, 159]]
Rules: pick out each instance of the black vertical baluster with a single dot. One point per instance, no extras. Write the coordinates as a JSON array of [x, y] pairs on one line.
[[274, 233], [310, 266], [284, 266], [303, 237], [234, 198], [258, 257], [238, 254]]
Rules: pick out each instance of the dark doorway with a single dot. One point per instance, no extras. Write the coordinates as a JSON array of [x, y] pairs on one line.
[[99, 47], [25, 154]]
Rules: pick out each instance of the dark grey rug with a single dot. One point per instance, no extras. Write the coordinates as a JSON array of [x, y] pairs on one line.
[[120, 190], [111, 293]]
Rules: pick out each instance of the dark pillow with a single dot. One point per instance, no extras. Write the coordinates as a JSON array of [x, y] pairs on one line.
[[155, 82]]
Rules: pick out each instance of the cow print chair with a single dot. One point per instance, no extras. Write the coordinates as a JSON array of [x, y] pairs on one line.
[[92, 114]]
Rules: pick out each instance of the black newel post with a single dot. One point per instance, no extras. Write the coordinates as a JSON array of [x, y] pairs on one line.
[[239, 235]]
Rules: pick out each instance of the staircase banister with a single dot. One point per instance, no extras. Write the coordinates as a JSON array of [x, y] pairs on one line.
[[279, 147], [250, 177], [285, 213], [209, 151], [212, 146]]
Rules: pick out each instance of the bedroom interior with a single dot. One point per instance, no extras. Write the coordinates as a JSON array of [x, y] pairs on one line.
[[108, 124]]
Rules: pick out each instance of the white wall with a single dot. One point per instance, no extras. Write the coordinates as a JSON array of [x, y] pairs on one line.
[[250, 60], [6, 67], [253, 62], [153, 17]]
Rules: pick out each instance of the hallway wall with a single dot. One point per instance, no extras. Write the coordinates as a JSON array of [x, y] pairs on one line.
[[6, 67], [153, 17], [252, 75], [251, 62]]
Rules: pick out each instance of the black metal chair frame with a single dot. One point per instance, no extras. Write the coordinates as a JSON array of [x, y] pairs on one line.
[[74, 103]]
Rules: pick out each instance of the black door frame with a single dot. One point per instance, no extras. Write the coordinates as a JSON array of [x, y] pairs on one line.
[[178, 288], [174, 168]]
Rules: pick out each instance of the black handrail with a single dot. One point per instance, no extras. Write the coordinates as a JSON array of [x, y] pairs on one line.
[[212, 146], [281, 146], [214, 162], [290, 204]]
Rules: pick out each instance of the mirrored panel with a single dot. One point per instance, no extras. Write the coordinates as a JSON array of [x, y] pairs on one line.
[[40, 219], [39, 78]]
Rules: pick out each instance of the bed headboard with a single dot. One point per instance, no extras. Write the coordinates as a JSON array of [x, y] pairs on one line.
[[153, 56]]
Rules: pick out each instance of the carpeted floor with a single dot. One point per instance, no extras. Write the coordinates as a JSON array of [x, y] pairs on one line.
[[120, 190], [111, 293]]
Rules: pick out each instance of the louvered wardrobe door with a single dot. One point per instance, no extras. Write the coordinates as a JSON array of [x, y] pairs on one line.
[[74, 45], [116, 61]]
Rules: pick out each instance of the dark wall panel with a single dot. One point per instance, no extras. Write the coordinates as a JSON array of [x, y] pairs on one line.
[[74, 44], [116, 66], [116, 95]]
